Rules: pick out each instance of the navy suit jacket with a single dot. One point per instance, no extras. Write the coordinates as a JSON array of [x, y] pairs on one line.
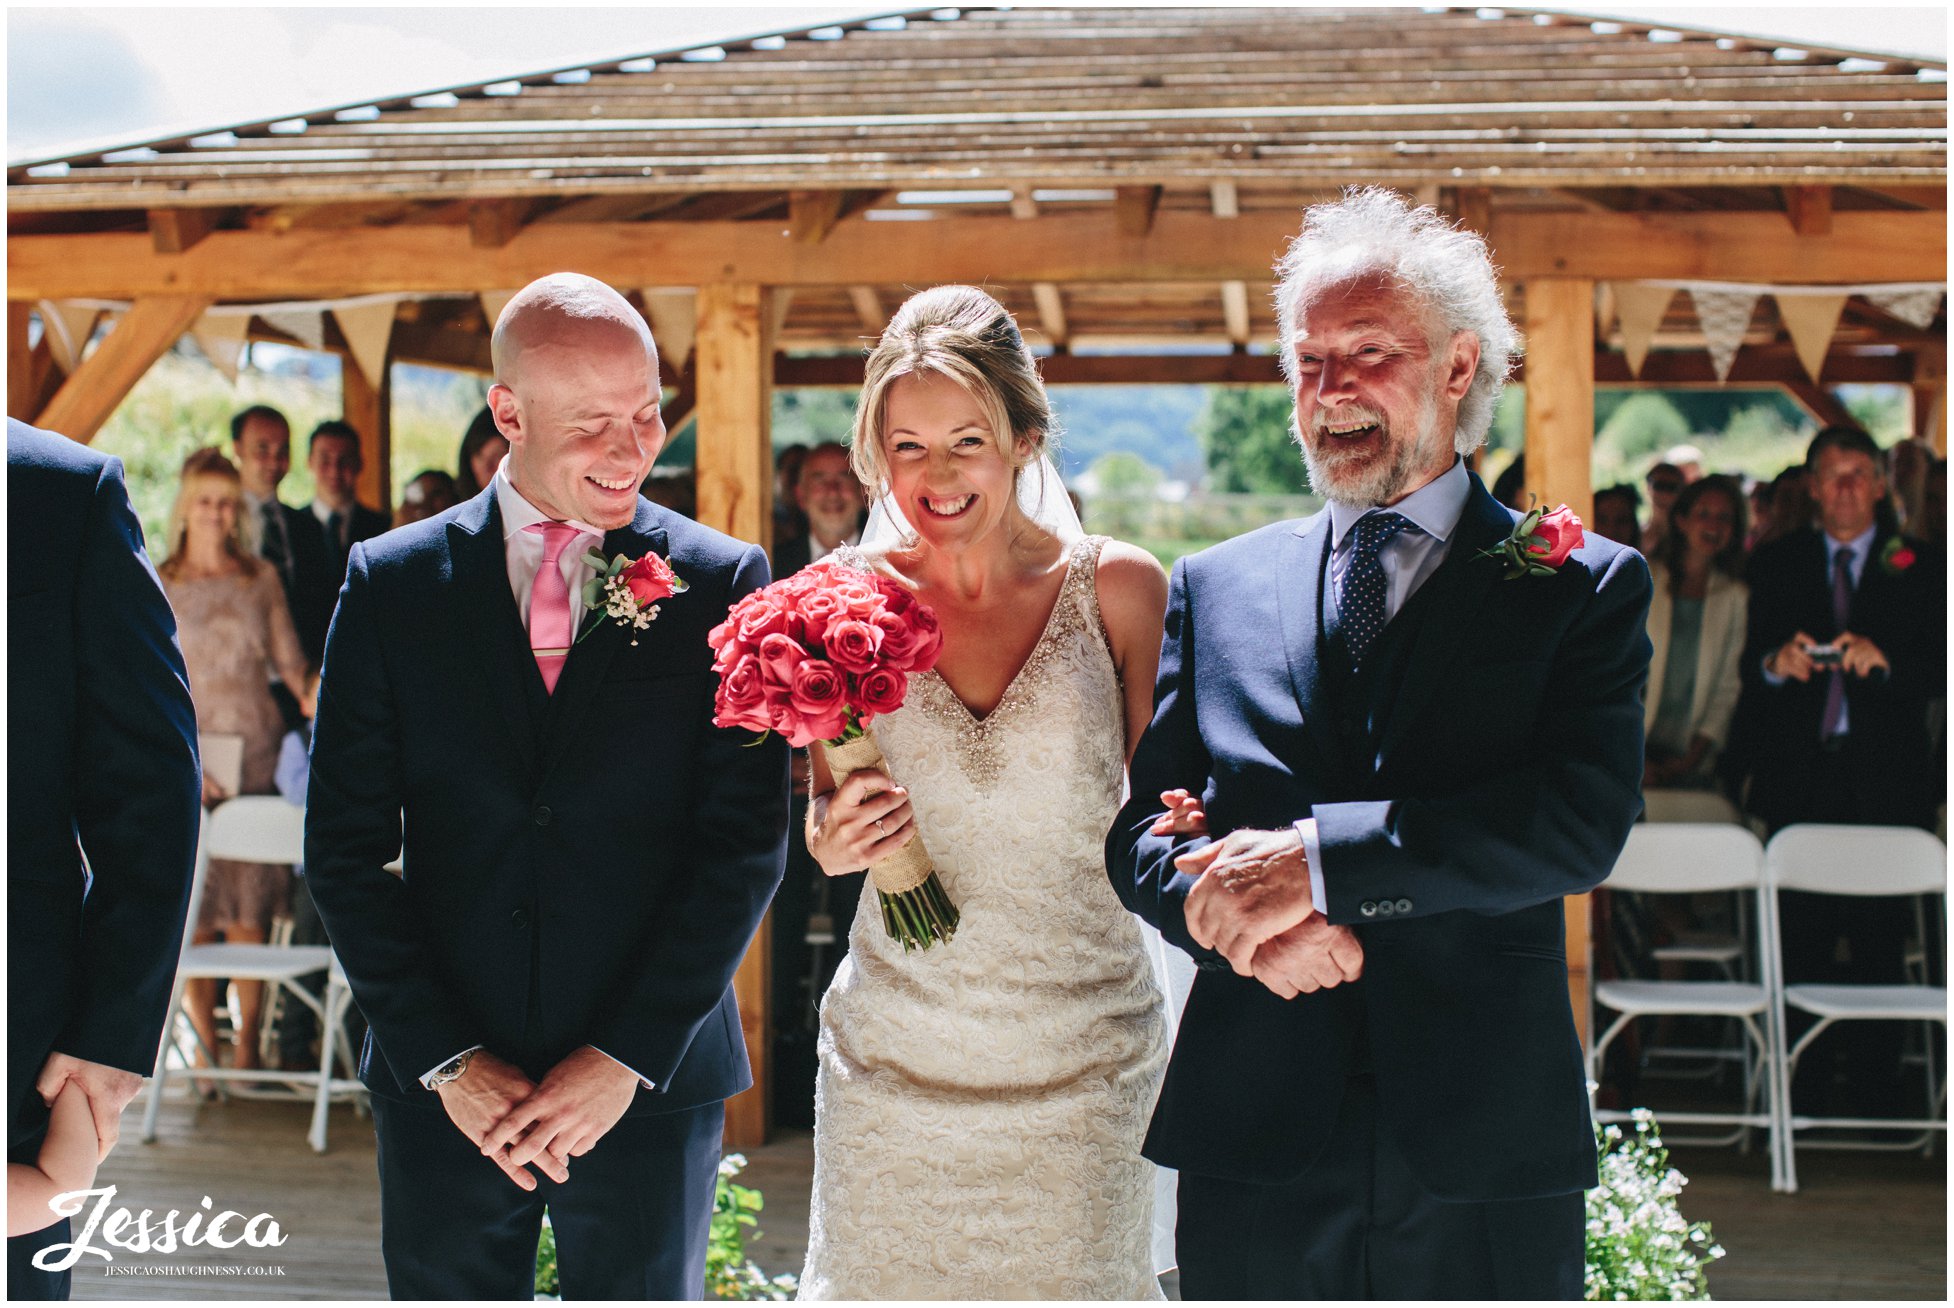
[[1500, 773], [102, 763], [580, 868]]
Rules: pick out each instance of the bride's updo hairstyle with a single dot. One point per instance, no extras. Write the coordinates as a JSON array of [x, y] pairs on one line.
[[964, 334]]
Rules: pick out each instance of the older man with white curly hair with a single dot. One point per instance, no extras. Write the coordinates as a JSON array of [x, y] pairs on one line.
[[1410, 729]]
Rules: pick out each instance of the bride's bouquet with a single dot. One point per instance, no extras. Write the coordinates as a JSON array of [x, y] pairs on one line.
[[817, 656]]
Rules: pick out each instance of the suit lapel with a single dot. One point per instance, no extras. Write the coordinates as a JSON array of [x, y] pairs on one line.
[[1299, 605], [481, 575], [599, 640], [1456, 602]]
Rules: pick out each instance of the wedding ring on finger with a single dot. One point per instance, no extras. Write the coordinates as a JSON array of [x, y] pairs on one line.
[[880, 828]]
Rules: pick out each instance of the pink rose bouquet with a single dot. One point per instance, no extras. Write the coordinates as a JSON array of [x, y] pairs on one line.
[[818, 656]]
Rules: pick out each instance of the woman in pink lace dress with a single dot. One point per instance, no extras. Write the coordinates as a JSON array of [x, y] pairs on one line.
[[234, 626]]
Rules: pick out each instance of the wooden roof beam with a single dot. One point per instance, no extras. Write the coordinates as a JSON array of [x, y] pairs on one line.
[[1134, 208], [492, 224], [101, 381], [868, 308], [1051, 314], [1809, 208], [1234, 309], [175, 230], [811, 215], [1182, 246]]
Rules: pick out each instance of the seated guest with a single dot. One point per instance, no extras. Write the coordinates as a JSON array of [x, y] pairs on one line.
[[788, 520], [233, 624], [1510, 487], [676, 489], [1696, 624], [1664, 482], [335, 519], [431, 492], [829, 497], [1933, 505], [1791, 507], [1614, 514], [482, 448]]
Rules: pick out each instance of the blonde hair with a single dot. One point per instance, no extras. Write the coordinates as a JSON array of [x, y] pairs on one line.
[[964, 334], [204, 465]]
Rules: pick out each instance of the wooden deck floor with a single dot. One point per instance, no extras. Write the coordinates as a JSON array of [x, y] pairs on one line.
[[1864, 1226]]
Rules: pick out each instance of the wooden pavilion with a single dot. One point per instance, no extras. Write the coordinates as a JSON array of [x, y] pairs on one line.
[[1122, 178]]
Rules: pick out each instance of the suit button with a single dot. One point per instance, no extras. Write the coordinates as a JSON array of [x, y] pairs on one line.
[[542, 815], [1385, 908], [1368, 908], [1404, 906], [519, 919]]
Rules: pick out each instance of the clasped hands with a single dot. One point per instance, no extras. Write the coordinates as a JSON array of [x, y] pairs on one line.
[[518, 1123], [1252, 905], [1857, 655]]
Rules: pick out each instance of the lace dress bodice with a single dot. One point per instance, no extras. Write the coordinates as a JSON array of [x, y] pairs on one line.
[[981, 1103]]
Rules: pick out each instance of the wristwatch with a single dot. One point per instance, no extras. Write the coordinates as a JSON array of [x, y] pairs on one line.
[[450, 1070]]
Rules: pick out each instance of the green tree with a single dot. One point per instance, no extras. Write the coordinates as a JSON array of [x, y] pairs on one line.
[[1244, 432]]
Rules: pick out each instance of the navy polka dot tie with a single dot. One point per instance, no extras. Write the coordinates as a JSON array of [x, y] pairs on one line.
[[1361, 583]]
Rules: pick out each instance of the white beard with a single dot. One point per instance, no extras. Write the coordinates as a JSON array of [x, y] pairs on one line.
[[1379, 481]]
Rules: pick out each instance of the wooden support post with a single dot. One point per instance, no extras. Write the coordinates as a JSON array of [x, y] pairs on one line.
[[1809, 208], [20, 363], [1134, 208], [811, 215], [1560, 469], [1930, 395], [734, 361], [369, 409], [104, 379]]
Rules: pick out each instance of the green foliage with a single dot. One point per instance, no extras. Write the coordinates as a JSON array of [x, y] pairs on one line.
[[1638, 1245], [729, 1274], [1244, 431], [1642, 426], [1154, 422], [809, 416]]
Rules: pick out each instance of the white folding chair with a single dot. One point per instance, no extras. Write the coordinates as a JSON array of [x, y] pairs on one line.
[[256, 829], [1863, 861], [1689, 858], [1722, 950], [1663, 805]]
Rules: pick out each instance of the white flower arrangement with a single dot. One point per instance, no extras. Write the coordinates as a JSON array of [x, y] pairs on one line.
[[1639, 1246]]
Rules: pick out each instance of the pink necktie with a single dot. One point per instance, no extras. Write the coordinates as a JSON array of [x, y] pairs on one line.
[[551, 626]]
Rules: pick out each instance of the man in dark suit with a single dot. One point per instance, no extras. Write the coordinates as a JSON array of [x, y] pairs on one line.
[[586, 856], [1847, 644], [330, 525], [261, 446], [103, 803], [1844, 738], [1404, 760], [829, 496]]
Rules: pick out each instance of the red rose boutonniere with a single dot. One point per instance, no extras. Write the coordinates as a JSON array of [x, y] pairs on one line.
[[1539, 544], [629, 589], [1897, 557]]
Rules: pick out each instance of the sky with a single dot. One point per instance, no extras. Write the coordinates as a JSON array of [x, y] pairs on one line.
[[88, 77]]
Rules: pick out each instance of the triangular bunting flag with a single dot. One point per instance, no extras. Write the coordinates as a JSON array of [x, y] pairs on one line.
[[674, 316], [1915, 308], [1604, 309], [307, 326], [221, 336], [1725, 316], [367, 329], [1639, 309], [493, 303], [68, 328], [1810, 320]]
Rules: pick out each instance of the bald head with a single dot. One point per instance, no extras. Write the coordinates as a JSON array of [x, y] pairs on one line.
[[561, 309]]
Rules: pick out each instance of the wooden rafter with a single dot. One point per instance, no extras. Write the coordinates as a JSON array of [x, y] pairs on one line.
[[492, 224], [175, 230], [1182, 246], [811, 215], [1810, 209], [151, 326], [1051, 314]]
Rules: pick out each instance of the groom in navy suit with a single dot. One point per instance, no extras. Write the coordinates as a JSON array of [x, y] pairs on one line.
[[586, 857], [1405, 761]]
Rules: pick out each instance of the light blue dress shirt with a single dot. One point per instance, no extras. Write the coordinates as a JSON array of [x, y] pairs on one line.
[[1860, 548], [1408, 560]]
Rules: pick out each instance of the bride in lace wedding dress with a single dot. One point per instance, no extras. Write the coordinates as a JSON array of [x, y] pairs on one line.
[[982, 1103]]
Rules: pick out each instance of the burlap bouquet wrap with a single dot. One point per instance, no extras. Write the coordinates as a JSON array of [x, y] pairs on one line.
[[907, 868]]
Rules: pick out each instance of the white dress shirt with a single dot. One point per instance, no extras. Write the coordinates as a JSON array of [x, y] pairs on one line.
[[1409, 559], [522, 550]]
